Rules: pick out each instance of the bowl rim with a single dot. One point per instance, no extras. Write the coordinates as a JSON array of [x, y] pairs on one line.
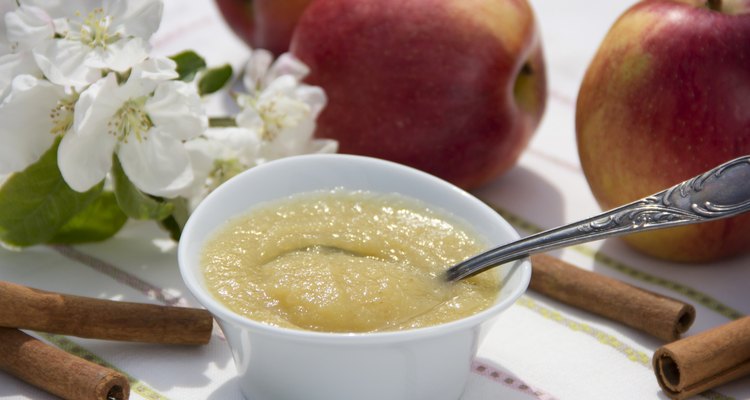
[[223, 313]]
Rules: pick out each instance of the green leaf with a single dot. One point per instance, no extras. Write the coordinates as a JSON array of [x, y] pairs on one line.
[[188, 64], [100, 220], [133, 202], [214, 79], [177, 220], [36, 202], [170, 225]]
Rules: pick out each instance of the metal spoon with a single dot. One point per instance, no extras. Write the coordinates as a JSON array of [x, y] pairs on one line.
[[721, 192]]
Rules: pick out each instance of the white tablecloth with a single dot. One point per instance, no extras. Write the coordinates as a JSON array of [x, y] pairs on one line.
[[538, 349]]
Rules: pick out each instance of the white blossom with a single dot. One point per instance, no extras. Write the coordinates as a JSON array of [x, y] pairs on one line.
[[261, 70], [217, 156], [75, 41], [33, 113], [280, 109], [277, 119], [144, 121], [14, 60]]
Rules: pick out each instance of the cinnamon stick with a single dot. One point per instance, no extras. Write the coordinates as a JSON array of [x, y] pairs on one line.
[[697, 363], [39, 310], [58, 372], [660, 316]]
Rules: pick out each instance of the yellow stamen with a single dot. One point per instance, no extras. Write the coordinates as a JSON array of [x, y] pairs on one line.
[[130, 118], [62, 115], [94, 30]]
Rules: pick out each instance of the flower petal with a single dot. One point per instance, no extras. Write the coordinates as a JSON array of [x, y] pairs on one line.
[[26, 129], [256, 69], [138, 18], [12, 65], [158, 165], [234, 143], [156, 69], [96, 106], [323, 146], [287, 64], [200, 152], [119, 56], [313, 96], [177, 110], [219, 155], [249, 118], [6, 6], [284, 85], [85, 160], [292, 140], [28, 26], [140, 82], [64, 62], [64, 8]]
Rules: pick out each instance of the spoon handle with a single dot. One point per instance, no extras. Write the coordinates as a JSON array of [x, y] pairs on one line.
[[721, 192]]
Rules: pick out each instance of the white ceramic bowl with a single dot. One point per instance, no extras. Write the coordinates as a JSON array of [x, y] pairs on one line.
[[274, 363]]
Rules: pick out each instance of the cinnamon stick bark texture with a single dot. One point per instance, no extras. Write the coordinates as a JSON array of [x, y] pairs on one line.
[[27, 308], [58, 372], [660, 316], [698, 363]]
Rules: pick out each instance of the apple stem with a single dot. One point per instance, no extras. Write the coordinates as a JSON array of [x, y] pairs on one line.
[[527, 69], [714, 5], [221, 122]]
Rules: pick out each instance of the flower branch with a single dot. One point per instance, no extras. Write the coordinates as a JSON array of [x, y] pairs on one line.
[[97, 132]]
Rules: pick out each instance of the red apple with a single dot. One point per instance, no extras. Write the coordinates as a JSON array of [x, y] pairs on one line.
[[666, 97], [265, 24], [453, 87]]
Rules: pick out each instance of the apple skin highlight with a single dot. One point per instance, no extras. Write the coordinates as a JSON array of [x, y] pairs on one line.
[[666, 97], [427, 83]]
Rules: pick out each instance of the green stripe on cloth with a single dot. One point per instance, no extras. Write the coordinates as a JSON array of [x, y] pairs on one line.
[[601, 336], [693, 294], [637, 356], [607, 261], [71, 347]]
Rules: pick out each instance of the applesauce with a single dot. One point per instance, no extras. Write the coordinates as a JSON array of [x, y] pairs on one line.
[[345, 261]]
